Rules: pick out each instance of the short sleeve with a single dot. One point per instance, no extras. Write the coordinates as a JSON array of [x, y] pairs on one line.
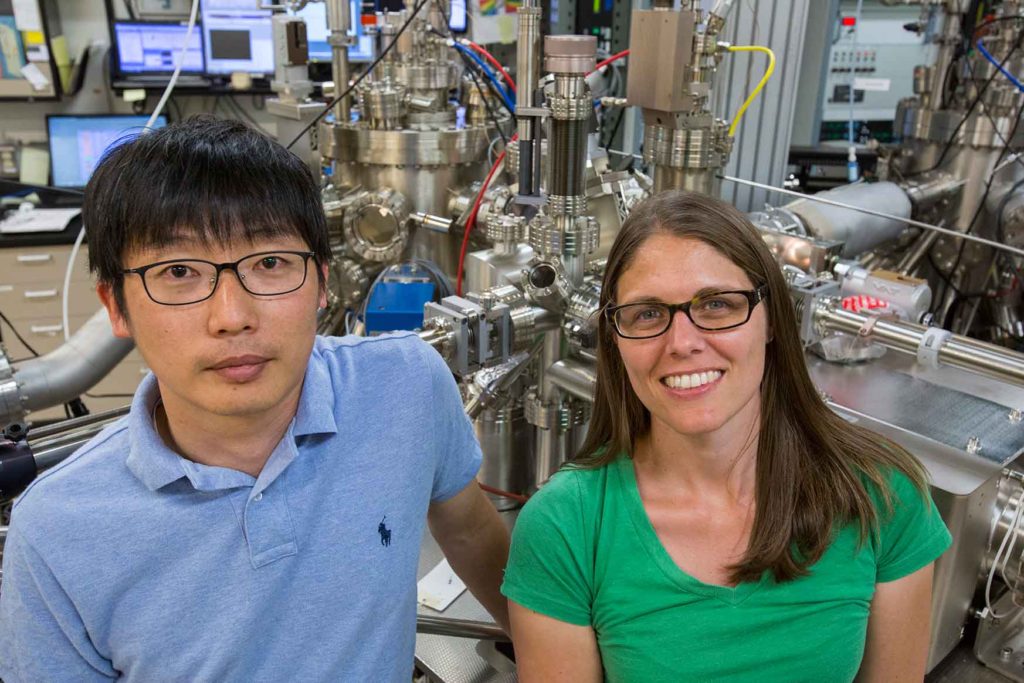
[[911, 534], [548, 570], [458, 455], [42, 637]]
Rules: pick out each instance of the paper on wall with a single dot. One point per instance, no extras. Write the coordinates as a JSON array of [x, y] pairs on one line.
[[35, 166], [26, 15]]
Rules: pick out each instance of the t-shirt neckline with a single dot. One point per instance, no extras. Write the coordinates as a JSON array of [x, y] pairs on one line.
[[661, 557]]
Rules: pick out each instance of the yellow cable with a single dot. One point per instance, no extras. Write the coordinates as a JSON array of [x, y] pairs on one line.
[[760, 86]]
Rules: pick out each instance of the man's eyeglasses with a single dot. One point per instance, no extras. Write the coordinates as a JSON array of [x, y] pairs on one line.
[[714, 311], [189, 281]]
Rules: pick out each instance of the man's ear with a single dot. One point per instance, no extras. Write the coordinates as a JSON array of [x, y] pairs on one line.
[[118, 320], [323, 286]]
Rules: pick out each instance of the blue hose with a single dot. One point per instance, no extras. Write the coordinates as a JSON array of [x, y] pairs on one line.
[[508, 99], [1010, 76]]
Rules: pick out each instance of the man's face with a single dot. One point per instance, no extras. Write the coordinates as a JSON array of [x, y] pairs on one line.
[[234, 354]]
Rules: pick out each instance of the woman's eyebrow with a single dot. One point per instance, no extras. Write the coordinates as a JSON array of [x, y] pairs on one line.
[[703, 291]]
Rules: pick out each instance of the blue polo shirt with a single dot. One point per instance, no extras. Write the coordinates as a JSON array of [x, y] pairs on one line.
[[130, 561]]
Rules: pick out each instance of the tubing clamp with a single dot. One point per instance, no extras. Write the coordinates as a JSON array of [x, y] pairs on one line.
[[931, 343]]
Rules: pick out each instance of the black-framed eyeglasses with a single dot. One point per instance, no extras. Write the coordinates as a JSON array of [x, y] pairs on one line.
[[712, 312], [179, 282]]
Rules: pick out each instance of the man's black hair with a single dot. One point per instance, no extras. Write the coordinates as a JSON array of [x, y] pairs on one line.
[[203, 178]]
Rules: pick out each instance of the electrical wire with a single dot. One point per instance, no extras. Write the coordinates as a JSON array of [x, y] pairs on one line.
[[1010, 531], [490, 58], [603, 63], [443, 8], [471, 221], [489, 74], [503, 494], [18, 335], [760, 86], [359, 79], [1002, 69], [179, 63], [970, 110]]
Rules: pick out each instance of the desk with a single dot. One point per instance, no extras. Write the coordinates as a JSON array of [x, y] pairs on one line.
[[455, 660]]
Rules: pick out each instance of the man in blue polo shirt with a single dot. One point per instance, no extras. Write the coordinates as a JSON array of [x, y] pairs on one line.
[[258, 514]]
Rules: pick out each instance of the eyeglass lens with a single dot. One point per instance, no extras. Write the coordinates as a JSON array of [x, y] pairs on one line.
[[711, 312], [187, 281]]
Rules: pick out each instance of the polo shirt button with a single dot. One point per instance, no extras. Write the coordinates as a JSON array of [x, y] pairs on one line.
[[258, 497]]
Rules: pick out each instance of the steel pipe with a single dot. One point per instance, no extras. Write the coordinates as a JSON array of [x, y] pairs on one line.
[[459, 628], [958, 351], [70, 370], [872, 212], [574, 377]]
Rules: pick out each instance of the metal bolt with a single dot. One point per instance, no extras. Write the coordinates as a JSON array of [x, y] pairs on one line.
[[1015, 416], [974, 445], [1005, 653]]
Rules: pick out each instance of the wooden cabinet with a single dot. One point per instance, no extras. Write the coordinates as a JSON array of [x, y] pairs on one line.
[[31, 287]]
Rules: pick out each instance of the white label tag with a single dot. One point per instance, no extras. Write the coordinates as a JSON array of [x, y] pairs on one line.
[[872, 84], [439, 588]]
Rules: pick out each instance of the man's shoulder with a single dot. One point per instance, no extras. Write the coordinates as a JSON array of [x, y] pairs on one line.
[[391, 347], [92, 473], [400, 356]]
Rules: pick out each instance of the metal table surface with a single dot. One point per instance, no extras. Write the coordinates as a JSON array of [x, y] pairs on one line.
[[447, 659]]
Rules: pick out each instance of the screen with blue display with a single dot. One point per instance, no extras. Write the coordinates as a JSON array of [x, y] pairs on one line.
[[78, 143], [145, 48], [237, 36], [315, 16]]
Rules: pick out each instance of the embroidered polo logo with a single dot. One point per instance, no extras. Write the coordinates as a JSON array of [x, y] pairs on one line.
[[385, 533]]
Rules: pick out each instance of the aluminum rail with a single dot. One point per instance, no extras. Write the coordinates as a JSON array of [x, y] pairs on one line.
[[68, 371], [459, 628], [957, 351], [880, 214]]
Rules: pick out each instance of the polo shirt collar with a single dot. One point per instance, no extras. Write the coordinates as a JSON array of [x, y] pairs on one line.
[[149, 458], [315, 413], [156, 465]]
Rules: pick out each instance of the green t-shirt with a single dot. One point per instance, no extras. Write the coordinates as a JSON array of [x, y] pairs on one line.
[[584, 552]]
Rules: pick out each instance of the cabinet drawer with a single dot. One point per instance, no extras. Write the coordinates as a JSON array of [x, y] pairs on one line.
[[35, 300], [44, 334], [39, 264]]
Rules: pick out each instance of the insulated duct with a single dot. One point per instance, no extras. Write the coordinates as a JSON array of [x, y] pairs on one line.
[[65, 373]]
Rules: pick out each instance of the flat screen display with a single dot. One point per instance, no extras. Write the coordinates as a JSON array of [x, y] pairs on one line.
[[237, 37], [78, 143], [147, 48]]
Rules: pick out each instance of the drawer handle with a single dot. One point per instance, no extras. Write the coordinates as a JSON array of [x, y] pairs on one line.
[[48, 330], [35, 258], [40, 293], [6, 288]]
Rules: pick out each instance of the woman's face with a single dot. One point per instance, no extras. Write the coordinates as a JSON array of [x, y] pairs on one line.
[[721, 370]]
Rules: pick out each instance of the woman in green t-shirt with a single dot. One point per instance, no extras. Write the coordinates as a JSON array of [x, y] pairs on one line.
[[720, 522]]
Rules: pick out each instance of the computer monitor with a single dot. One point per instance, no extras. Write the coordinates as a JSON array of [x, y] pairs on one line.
[[458, 20], [153, 48], [237, 37], [78, 143], [315, 15]]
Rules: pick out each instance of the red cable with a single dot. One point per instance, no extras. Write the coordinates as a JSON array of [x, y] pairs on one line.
[[471, 221], [503, 494], [494, 62], [606, 62]]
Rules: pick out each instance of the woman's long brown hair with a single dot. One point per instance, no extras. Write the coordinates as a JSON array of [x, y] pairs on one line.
[[813, 467]]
